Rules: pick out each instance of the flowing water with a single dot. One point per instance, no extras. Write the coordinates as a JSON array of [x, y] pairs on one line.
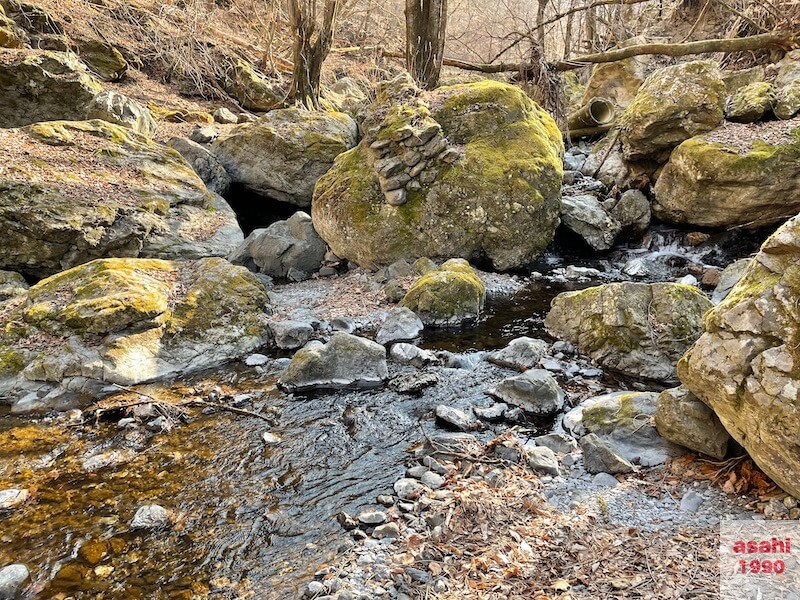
[[249, 517]]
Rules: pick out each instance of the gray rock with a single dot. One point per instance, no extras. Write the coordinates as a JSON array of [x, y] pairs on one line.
[[12, 578], [542, 459], [413, 383], [586, 216], [692, 501], [346, 361], [401, 325], [408, 354], [12, 498], [116, 108], [631, 211], [111, 458], [225, 117], [685, 420], [204, 134], [345, 324], [151, 516], [605, 480], [557, 442], [205, 164], [290, 335], [453, 418], [270, 439], [11, 284], [495, 412], [372, 517], [729, 277], [387, 531], [281, 247], [521, 354], [625, 420], [432, 480], [256, 360], [600, 457], [535, 391], [408, 489]]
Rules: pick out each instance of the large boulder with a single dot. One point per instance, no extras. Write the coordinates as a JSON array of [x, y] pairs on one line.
[[674, 104], [469, 170], [745, 175], [43, 86], [285, 152], [746, 366], [450, 295], [282, 247], [638, 329], [126, 321], [683, 419], [751, 102], [73, 191], [624, 421], [116, 108], [787, 84], [346, 361]]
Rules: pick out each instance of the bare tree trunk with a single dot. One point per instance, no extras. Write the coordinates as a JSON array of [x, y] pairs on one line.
[[541, 7], [312, 44], [568, 36], [426, 28], [590, 30]]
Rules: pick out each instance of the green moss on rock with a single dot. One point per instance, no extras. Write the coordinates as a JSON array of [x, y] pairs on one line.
[[450, 295]]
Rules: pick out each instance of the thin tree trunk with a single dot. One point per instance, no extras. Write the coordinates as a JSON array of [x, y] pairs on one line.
[[426, 28], [541, 7], [311, 47]]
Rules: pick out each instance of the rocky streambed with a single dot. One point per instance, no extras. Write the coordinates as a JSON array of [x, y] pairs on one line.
[[251, 501]]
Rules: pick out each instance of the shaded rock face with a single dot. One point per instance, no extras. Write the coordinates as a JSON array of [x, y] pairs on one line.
[[746, 366], [346, 361], [451, 295], [623, 421], [674, 104], [103, 59], [636, 328], [60, 207], [607, 163], [281, 247], [787, 84], [285, 152], [43, 86], [751, 102], [684, 420], [725, 179], [118, 109], [586, 216], [204, 164], [126, 321], [469, 170]]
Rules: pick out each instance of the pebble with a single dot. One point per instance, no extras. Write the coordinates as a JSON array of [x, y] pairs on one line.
[[416, 472], [270, 439], [372, 517], [434, 465], [12, 498], [605, 480], [408, 489], [12, 577], [385, 500], [387, 531], [432, 480], [150, 516], [314, 588], [256, 360], [691, 501]]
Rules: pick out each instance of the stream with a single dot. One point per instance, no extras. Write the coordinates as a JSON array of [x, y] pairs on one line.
[[251, 517]]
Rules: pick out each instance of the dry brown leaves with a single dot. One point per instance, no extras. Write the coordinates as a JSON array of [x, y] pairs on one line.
[[740, 136], [734, 476]]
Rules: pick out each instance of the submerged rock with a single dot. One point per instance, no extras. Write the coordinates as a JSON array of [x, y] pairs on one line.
[[451, 295], [12, 578], [56, 217], [44, 86], [285, 152], [674, 104], [521, 354], [127, 321], [346, 361], [151, 516], [469, 170], [745, 365], [746, 175], [636, 328], [684, 420], [535, 392], [400, 325]]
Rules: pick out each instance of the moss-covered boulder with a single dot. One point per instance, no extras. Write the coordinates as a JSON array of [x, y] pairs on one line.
[[688, 422], [103, 59], [746, 366], [740, 175], [751, 103], [469, 170], [117, 108], [638, 329], [126, 321], [450, 295], [43, 86], [285, 152], [251, 89], [73, 191], [788, 85], [674, 104], [11, 34]]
